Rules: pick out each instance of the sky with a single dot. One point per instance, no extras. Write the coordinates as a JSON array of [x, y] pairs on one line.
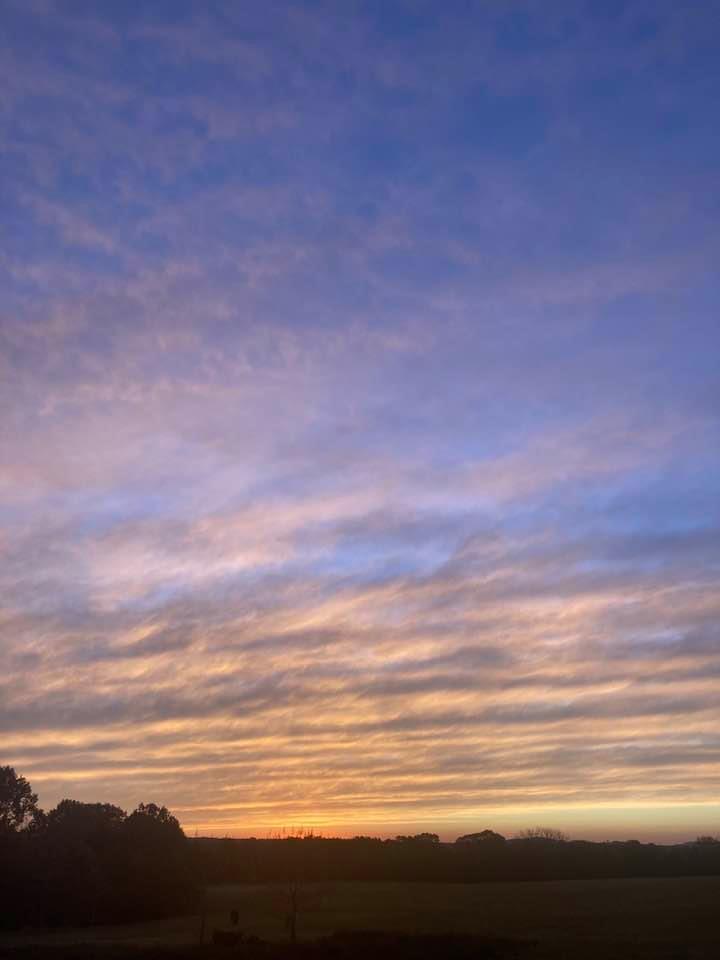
[[359, 413]]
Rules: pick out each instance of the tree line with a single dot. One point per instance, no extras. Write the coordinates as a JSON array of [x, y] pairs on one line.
[[88, 863], [535, 855]]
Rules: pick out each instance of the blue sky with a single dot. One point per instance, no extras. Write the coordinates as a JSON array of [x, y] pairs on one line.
[[360, 443]]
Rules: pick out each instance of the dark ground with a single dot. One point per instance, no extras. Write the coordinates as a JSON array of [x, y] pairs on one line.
[[672, 919]]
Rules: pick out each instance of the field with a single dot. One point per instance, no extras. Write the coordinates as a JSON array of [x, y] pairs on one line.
[[674, 919]]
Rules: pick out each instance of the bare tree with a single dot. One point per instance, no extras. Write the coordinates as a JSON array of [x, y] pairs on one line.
[[543, 833]]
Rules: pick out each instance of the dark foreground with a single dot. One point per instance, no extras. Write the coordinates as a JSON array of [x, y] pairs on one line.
[[673, 919], [367, 945], [342, 946]]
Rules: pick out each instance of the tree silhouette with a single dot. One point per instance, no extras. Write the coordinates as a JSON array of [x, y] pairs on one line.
[[18, 804], [418, 838], [543, 833], [156, 813], [484, 836]]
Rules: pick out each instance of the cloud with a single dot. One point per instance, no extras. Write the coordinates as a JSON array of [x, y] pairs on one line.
[[358, 458]]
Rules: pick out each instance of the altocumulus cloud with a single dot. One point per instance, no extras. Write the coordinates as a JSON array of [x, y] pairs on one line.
[[358, 462]]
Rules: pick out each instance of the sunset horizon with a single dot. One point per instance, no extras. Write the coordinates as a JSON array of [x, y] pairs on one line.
[[360, 415]]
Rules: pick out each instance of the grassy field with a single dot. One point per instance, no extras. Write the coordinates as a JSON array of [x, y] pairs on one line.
[[674, 919]]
